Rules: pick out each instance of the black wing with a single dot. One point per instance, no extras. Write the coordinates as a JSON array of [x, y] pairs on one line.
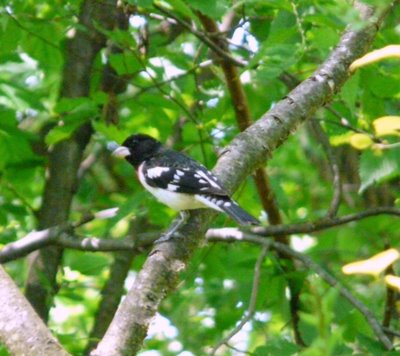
[[177, 172]]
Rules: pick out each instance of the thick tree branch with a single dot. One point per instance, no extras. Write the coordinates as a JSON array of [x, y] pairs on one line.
[[291, 82], [228, 235], [21, 330], [113, 289]]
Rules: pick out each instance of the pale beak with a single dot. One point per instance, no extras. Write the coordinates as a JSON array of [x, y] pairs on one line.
[[121, 152]]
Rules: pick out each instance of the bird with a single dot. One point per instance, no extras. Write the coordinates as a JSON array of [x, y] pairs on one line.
[[178, 181]]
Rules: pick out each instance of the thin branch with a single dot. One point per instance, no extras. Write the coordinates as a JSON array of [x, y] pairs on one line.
[[253, 300], [325, 223], [61, 235], [174, 78], [391, 331], [227, 235], [55, 235], [31, 33], [387, 146], [23, 200], [345, 123], [182, 106], [202, 37]]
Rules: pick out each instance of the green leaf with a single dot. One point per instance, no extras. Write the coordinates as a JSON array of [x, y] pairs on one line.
[[80, 110], [125, 63], [181, 8], [274, 60], [211, 8], [350, 92], [379, 166], [380, 83], [10, 34], [86, 263], [277, 347]]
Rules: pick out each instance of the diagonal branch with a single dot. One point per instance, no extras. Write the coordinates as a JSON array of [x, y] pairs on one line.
[[202, 37], [21, 329]]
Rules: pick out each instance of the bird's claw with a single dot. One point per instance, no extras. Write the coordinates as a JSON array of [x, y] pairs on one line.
[[168, 237]]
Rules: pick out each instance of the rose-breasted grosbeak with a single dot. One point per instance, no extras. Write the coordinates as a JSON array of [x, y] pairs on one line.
[[177, 180]]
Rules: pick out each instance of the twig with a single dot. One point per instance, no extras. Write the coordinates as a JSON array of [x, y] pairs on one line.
[[343, 122], [202, 37], [227, 235], [61, 235], [253, 300], [391, 331], [387, 146], [336, 181], [179, 104], [23, 200], [325, 223], [31, 33], [174, 78]]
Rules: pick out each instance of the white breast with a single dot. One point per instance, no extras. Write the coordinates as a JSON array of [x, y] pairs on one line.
[[176, 201]]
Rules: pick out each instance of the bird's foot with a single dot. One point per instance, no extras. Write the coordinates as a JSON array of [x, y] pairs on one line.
[[173, 231], [168, 236]]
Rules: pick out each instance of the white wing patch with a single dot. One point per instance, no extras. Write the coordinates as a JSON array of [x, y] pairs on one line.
[[177, 176], [172, 187], [156, 172], [205, 179]]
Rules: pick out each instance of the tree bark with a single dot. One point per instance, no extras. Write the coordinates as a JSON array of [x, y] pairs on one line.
[[21, 330]]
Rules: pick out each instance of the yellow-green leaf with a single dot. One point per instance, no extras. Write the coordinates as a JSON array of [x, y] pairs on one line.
[[392, 51], [393, 281], [387, 125], [360, 141], [374, 265]]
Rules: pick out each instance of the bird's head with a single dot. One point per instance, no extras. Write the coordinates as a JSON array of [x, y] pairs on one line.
[[137, 148]]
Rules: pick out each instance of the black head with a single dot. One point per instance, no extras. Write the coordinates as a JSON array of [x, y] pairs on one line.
[[137, 148]]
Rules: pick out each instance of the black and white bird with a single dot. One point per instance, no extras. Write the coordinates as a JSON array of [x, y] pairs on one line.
[[177, 180]]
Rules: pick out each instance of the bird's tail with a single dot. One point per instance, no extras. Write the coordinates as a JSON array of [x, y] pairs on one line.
[[228, 206], [238, 214]]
